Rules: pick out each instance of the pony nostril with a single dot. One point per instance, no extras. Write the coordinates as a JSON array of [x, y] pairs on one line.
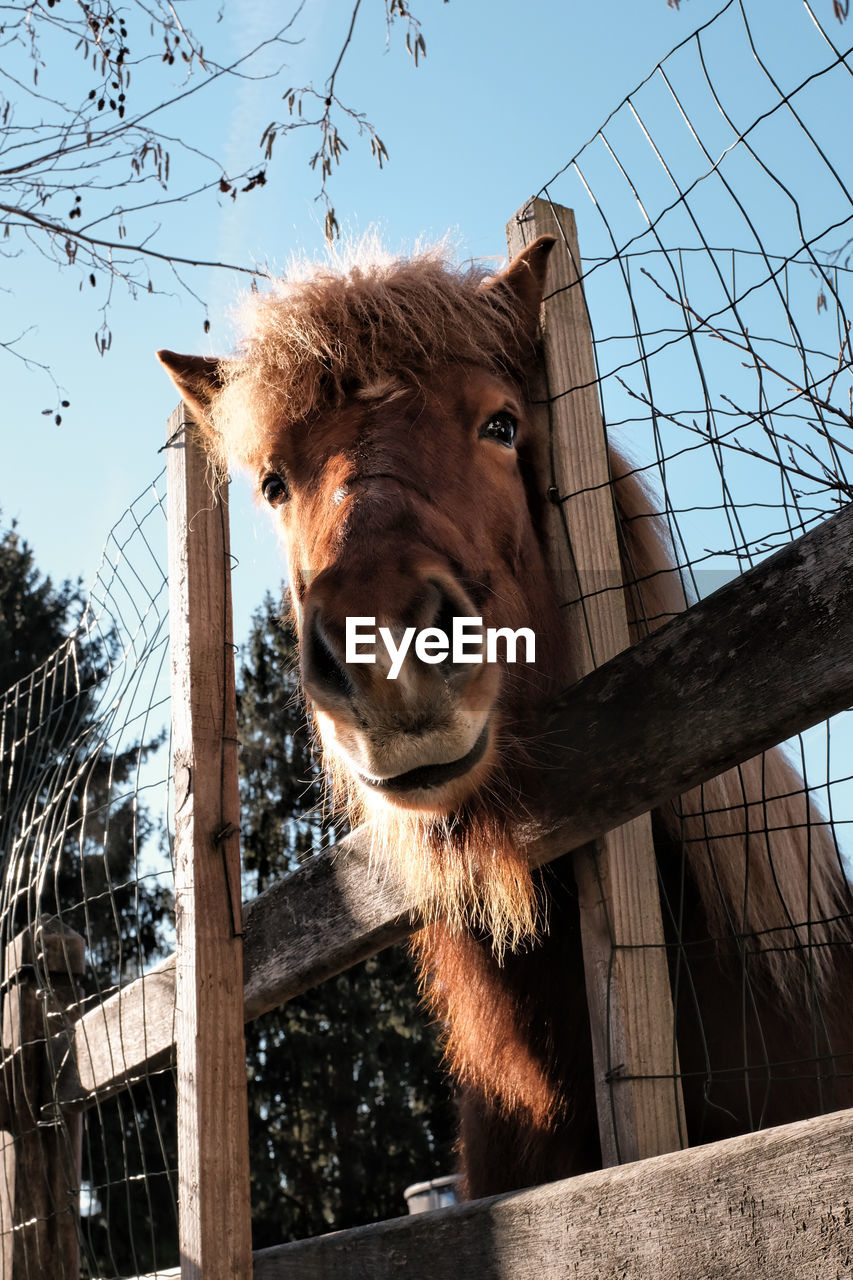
[[451, 602], [446, 612], [450, 605], [322, 669]]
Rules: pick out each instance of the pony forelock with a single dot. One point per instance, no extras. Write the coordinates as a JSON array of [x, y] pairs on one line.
[[318, 335]]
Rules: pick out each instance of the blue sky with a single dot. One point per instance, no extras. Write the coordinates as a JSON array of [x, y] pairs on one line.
[[505, 96]]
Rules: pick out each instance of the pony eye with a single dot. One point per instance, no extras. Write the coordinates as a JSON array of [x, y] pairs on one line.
[[274, 489], [501, 427]]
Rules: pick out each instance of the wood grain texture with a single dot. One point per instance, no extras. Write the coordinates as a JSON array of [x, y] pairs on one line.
[[707, 691], [321, 920], [777, 1203], [625, 965], [40, 1145], [213, 1139], [329, 915], [130, 1034]]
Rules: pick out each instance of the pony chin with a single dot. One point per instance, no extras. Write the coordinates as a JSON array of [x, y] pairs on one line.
[[441, 801], [350, 765]]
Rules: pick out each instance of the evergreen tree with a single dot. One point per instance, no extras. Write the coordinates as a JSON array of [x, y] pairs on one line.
[[55, 753], [34, 615], [347, 1101]]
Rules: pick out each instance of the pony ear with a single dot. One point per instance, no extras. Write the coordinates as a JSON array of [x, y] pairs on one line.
[[524, 280], [198, 378]]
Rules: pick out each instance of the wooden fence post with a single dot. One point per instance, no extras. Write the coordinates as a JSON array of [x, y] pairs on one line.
[[41, 1145], [638, 1091], [213, 1140]]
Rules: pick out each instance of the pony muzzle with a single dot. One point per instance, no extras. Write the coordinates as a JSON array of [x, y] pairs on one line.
[[411, 732], [341, 679]]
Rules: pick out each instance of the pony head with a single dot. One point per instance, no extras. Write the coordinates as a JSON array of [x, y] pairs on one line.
[[383, 413]]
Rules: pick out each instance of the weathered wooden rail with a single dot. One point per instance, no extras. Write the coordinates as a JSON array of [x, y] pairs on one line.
[[774, 1203]]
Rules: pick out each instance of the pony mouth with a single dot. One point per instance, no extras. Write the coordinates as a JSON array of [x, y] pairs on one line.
[[427, 777]]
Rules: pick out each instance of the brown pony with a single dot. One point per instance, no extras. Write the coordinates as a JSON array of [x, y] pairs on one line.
[[383, 411]]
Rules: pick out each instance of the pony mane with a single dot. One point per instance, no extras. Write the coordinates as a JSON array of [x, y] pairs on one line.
[[762, 854], [313, 341]]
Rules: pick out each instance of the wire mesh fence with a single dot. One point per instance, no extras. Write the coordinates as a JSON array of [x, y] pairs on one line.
[[715, 227], [714, 224], [85, 839]]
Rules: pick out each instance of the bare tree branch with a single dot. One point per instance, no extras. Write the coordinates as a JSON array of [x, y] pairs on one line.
[[92, 143]]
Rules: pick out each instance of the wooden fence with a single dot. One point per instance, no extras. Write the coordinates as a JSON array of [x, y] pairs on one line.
[[656, 719]]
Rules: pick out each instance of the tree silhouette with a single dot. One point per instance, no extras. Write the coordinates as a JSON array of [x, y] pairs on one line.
[[347, 1101], [72, 831]]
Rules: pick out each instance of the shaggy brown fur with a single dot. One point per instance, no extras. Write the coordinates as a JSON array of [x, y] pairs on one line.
[[364, 402], [312, 343], [764, 860]]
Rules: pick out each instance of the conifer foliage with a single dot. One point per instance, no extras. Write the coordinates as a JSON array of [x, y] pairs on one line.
[[347, 1100], [34, 614]]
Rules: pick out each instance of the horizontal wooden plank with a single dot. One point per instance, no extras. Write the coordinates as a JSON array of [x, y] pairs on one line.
[[776, 1203], [765, 657], [114, 1043], [330, 914]]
